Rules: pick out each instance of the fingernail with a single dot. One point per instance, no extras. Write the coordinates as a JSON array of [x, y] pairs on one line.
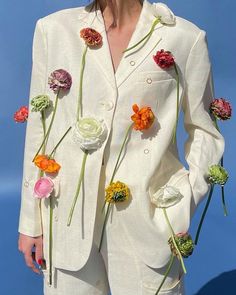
[[40, 261]]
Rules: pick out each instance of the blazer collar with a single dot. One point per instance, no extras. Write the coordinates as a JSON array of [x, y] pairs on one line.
[[132, 59]]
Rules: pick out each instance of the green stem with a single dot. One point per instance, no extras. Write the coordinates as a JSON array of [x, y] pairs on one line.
[[204, 213], [156, 21], [79, 107], [174, 241], [50, 241], [223, 201], [59, 142], [217, 127], [78, 188], [177, 104], [104, 224], [50, 125], [166, 273]]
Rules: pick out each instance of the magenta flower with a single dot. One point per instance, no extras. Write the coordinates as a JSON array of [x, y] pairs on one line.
[[21, 115], [60, 79], [43, 187], [164, 59], [221, 109]]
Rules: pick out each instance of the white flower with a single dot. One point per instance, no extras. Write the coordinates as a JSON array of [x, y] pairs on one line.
[[162, 10], [89, 132], [166, 196]]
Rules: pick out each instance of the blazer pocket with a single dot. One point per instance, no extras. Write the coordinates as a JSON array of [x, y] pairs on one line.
[[176, 289], [149, 77]]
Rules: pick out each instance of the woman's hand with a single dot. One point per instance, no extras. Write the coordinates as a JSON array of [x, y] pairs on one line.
[[25, 245]]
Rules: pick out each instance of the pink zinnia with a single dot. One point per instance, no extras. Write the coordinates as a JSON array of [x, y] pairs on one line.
[[43, 187], [91, 37], [221, 109], [60, 79], [164, 59], [21, 115]]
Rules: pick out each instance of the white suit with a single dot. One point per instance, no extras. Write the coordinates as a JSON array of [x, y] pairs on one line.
[[150, 161]]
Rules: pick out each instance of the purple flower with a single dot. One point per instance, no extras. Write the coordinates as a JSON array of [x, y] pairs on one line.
[[221, 109], [60, 79]]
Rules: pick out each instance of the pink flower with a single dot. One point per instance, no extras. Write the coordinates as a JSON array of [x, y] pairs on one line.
[[221, 109], [43, 187], [164, 59], [91, 37], [60, 79], [21, 115]]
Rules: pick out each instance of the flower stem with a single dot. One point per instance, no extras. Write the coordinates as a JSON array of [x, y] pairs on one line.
[[203, 215], [223, 201], [50, 125], [217, 127], [174, 241], [79, 107], [50, 241], [177, 104], [104, 224], [78, 188], [59, 142], [156, 21], [166, 273]]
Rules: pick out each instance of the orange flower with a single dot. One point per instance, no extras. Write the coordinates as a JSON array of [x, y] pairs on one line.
[[91, 37], [46, 164], [143, 118]]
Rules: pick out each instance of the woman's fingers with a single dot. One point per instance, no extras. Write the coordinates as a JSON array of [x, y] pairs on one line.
[[38, 251], [29, 261]]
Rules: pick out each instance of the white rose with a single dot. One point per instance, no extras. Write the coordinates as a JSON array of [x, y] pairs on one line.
[[89, 132], [166, 196], [162, 10]]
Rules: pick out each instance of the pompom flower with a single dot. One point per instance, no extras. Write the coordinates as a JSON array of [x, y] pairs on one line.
[[40, 103], [117, 192], [185, 244], [43, 187], [89, 132], [60, 79], [221, 109], [217, 175], [91, 37], [46, 164], [21, 115], [143, 118], [166, 196], [164, 59]]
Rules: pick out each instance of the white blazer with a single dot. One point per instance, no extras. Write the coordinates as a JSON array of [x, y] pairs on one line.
[[150, 161]]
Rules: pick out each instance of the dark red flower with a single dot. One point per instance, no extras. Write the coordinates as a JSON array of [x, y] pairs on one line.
[[221, 109], [21, 115], [91, 37], [164, 59], [60, 79]]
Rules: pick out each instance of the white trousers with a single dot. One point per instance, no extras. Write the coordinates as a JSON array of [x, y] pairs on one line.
[[116, 269]]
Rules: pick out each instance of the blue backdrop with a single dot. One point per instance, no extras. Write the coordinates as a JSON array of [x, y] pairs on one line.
[[211, 270]]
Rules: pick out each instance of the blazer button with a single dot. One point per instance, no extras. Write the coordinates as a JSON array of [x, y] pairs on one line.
[[56, 218], [107, 104], [149, 80], [26, 183], [132, 62], [146, 151]]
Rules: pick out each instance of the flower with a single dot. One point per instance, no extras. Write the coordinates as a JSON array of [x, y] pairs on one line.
[[143, 118], [43, 187], [166, 196], [185, 244], [89, 132], [21, 115], [164, 59], [60, 79], [46, 164], [163, 11], [91, 37], [117, 192], [221, 109], [217, 175], [40, 103]]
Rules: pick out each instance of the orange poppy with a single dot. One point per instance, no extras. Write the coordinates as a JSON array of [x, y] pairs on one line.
[[46, 164], [143, 118]]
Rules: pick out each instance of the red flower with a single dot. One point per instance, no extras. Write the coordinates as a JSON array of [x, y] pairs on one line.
[[164, 59], [221, 109], [91, 37], [21, 115], [60, 79]]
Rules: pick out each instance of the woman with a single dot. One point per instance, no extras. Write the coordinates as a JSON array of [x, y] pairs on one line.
[[128, 252]]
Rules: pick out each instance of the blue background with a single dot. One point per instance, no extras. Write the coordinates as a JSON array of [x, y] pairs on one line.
[[211, 270]]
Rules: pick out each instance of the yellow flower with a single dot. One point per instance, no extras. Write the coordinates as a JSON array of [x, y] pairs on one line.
[[117, 192]]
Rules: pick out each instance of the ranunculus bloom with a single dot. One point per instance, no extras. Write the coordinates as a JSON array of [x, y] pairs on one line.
[[163, 11], [166, 196], [40, 102], [91, 37], [60, 79], [46, 164], [143, 118], [117, 192], [185, 244], [221, 109], [164, 59], [21, 115], [43, 187], [89, 132], [217, 175]]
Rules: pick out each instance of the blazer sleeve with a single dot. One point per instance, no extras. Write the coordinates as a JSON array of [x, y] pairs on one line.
[[30, 220], [205, 144]]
